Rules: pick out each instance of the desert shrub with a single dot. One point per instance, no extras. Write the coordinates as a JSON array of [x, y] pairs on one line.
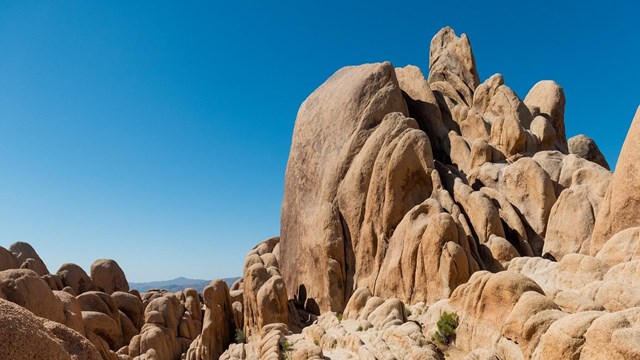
[[339, 316], [446, 328], [285, 345], [241, 338], [359, 328], [407, 311]]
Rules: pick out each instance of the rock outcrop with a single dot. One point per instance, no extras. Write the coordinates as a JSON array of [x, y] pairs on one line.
[[25, 336], [423, 218], [623, 194]]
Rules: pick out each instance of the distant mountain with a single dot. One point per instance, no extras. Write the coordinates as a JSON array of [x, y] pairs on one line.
[[177, 284]]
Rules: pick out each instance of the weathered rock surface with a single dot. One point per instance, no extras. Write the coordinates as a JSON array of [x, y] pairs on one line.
[[108, 277], [405, 197], [28, 258], [76, 278], [584, 147], [265, 294], [218, 328], [25, 336], [623, 194]]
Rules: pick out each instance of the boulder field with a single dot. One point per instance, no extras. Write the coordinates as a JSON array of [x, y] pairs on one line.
[[424, 217]]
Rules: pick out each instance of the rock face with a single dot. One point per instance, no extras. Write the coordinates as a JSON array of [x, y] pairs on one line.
[[28, 258], [218, 328], [24, 336], [108, 277], [586, 148], [623, 194], [423, 218], [265, 294], [76, 278], [406, 186], [25, 288]]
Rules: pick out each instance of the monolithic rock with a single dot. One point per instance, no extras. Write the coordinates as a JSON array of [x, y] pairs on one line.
[[623, 194]]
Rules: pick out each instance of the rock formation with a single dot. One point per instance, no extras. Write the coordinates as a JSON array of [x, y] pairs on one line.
[[423, 218]]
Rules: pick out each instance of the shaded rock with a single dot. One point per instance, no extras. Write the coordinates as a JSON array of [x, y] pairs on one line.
[[76, 278], [7, 260], [28, 258]]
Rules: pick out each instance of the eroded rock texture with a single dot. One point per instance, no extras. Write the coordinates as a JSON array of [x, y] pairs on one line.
[[406, 185], [405, 197]]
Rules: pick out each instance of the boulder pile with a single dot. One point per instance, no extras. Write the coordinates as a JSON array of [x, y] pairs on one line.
[[423, 217]]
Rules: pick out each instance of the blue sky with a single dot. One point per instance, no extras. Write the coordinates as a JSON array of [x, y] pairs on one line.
[[157, 133]]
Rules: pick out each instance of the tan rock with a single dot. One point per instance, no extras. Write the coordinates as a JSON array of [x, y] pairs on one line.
[[548, 96], [265, 294], [24, 336], [28, 258], [507, 136], [25, 288], [584, 147], [219, 325], [622, 194], [451, 60], [76, 278], [159, 334], [108, 277], [331, 129], [72, 311], [7, 260], [571, 222]]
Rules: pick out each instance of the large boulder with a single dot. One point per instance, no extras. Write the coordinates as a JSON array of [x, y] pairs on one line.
[[265, 294], [108, 277], [28, 258], [623, 196], [584, 147], [76, 278], [340, 131], [218, 328], [25, 288], [451, 62], [24, 336], [159, 336], [548, 98]]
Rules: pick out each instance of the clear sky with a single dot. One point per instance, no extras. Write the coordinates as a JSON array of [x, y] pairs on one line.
[[157, 133]]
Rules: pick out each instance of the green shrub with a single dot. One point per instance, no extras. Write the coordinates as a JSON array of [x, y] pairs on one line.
[[285, 345], [446, 328], [359, 328], [315, 341], [339, 316], [241, 338], [407, 311]]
